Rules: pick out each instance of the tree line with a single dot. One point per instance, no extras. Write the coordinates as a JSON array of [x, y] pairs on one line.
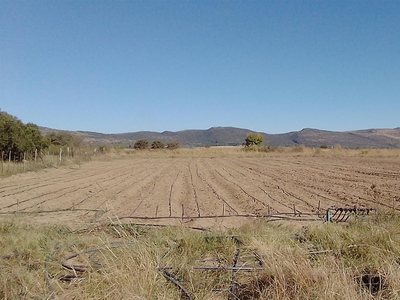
[[19, 140], [144, 144]]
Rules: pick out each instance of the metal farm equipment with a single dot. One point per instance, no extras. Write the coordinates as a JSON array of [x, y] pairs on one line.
[[340, 214]]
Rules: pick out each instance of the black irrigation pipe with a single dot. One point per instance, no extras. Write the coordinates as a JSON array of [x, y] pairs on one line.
[[242, 189], [279, 218], [170, 194], [277, 215], [48, 211], [78, 268], [170, 277], [215, 192], [99, 226], [235, 268], [167, 275], [162, 269], [84, 268], [234, 284], [15, 255], [194, 190], [46, 273], [45, 194], [75, 268]]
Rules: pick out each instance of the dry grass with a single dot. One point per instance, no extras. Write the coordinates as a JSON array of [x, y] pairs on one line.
[[8, 168], [50, 161], [127, 261], [239, 151], [358, 260]]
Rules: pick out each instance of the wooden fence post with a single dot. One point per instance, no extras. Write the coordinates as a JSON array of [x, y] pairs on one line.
[[60, 154], [2, 156]]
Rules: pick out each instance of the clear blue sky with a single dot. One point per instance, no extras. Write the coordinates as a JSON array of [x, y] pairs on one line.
[[270, 66]]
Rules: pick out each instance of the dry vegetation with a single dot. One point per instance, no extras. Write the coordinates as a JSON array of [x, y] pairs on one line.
[[88, 252], [359, 260]]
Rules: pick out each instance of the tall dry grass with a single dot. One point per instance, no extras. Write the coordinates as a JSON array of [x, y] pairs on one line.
[[128, 261], [8, 168], [221, 151]]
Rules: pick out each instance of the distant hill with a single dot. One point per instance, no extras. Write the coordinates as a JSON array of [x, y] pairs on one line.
[[231, 136]]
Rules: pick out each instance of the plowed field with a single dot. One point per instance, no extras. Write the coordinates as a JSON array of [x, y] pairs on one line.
[[221, 191]]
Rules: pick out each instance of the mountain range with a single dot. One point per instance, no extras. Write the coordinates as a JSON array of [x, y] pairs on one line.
[[231, 136]]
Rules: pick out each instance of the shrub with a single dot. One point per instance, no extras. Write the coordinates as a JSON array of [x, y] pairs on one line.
[[141, 144], [254, 139], [157, 145], [173, 145]]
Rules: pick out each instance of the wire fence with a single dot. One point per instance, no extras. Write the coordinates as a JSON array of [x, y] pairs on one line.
[[17, 162]]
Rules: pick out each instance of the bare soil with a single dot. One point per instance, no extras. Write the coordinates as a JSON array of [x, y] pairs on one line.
[[206, 192]]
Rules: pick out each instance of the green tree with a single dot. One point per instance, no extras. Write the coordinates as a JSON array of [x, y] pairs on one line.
[[60, 138], [65, 139], [254, 139], [11, 133], [157, 145], [17, 138], [33, 139], [141, 145]]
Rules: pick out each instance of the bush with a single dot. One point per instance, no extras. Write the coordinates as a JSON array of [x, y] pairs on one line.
[[254, 139], [173, 145], [141, 145], [157, 145]]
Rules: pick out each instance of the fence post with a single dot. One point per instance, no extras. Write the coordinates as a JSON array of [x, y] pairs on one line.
[[328, 215], [9, 157], [2, 156], [35, 155], [60, 155]]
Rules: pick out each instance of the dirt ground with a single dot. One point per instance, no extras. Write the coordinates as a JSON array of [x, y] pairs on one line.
[[205, 192]]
